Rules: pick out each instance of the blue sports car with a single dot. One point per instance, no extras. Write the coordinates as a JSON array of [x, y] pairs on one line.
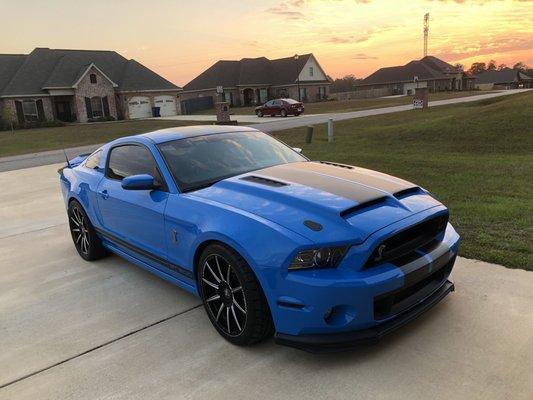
[[322, 255]]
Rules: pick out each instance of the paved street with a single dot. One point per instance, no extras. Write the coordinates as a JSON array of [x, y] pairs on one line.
[[266, 124], [109, 330]]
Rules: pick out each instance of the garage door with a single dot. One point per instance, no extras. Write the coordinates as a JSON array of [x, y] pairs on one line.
[[139, 107], [167, 104]]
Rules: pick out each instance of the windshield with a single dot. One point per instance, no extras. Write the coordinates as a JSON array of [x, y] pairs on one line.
[[200, 161]]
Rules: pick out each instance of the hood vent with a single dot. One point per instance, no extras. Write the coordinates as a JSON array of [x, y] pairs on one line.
[[362, 206], [336, 164], [263, 181], [407, 192]]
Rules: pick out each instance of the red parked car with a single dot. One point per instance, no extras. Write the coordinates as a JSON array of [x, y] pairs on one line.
[[281, 107]]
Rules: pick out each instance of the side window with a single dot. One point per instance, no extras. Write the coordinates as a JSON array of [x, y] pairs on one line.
[[93, 161], [269, 103], [132, 160]]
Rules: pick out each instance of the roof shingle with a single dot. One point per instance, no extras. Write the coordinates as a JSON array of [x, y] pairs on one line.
[[53, 68]]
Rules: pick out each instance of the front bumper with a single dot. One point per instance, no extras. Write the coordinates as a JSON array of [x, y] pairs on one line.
[[324, 343]]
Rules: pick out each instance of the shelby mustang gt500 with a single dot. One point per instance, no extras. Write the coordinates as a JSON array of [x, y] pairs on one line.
[[323, 255]]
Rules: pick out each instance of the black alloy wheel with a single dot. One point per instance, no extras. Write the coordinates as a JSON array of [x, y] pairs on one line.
[[86, 241], [232, 296]]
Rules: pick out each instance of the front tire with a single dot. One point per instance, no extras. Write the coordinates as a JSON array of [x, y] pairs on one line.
[[232, 296], [259, 113], [86, 241], [283, 113]]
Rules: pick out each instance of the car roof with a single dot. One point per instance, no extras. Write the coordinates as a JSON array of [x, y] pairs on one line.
[[168, 134]]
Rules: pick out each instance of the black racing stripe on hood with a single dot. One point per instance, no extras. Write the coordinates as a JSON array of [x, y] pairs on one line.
[[349, 189]]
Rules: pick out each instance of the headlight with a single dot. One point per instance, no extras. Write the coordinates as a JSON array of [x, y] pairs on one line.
[[324, 257]]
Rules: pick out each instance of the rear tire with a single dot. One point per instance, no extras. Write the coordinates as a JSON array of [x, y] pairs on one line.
[[232, 296], [283, 113], [86, 241]]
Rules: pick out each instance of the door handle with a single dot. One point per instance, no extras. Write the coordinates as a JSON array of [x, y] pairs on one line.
[[104, 194]]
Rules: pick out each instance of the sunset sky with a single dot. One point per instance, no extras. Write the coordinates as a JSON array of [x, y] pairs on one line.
[[179, 39]]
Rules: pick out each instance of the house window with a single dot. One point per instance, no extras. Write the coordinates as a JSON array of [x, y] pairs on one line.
[[96, 106], [311, 72], [92, 78], [29, 107], [303, 94]]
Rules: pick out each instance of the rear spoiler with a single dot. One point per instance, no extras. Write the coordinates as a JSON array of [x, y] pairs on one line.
[[74, 162]]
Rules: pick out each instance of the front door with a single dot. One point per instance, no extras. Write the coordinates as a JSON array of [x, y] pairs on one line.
[[63, 111], [134, 217]]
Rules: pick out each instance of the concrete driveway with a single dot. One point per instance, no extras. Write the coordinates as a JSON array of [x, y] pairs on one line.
[[109, 330]]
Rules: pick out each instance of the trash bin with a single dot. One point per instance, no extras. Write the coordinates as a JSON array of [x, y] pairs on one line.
[[156, 111]]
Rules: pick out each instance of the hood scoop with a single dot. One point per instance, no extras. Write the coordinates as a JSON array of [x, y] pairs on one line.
[[363, 206], [264, 181], [408, 192], [337, 164]]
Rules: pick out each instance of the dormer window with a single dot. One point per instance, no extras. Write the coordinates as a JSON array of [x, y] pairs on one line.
[[92, 78]]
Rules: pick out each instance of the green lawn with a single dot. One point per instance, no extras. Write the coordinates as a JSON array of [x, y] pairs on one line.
[[477, 158], [354, 105], [41, 139]]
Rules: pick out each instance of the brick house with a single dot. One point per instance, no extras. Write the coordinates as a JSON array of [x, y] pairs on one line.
[[430, 72], [81, 86], [252, 81]]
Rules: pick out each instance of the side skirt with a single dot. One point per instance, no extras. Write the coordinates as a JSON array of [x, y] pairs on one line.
[[114, 244]]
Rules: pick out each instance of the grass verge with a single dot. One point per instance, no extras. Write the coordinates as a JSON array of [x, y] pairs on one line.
[[41, 139], [477, 158]]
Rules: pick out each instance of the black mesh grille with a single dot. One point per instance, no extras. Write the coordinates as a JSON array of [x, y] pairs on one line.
[[404, 243]]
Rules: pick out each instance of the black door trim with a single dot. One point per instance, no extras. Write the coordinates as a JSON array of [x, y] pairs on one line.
[[146, 254]]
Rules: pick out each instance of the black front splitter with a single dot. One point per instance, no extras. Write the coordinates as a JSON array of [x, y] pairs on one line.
[[328, 343]]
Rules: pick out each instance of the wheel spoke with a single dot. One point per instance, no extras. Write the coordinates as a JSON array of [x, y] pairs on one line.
[[86, 242], [235, 318], [74, 220], [218, 267], [227, 319], [75, 230], [210, 283], [220, 311], [212, 298], [237, 289], [228, 274], [238, 306], [212, 273]]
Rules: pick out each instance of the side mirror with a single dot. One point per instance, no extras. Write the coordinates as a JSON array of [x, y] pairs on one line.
[[139, 182], [297, 149]]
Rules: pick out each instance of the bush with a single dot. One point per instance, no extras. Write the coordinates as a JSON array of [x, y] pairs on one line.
[[101, 119]]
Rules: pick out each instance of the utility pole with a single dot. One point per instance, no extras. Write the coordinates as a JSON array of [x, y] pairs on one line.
[[426, 32]]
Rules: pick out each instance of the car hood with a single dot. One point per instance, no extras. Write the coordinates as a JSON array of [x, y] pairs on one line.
[[343, 203]]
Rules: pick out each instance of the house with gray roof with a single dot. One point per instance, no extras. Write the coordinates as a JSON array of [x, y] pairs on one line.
[[430, 72], [252, 81], [505, 78], [81, 86]]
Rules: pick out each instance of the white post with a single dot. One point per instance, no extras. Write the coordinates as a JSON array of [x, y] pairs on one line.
[[330, 130]]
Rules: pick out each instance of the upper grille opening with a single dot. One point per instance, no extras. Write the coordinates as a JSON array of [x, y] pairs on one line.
[[336, 164], [398, 247], [263, 181], [407, 192]]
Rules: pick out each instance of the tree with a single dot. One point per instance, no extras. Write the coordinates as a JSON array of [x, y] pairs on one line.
[[477, 68], [344, 84], [520, 66], [501, 67], [491, 66]]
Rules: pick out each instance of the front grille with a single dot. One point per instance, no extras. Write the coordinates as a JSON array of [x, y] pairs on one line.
[[395, 302], [404, 244]]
